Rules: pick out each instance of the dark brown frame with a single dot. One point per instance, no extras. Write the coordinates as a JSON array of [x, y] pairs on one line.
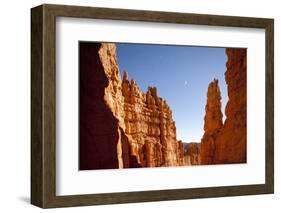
[[43, 105]]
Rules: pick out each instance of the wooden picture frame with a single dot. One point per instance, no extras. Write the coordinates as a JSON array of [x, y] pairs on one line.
[[43, 105]]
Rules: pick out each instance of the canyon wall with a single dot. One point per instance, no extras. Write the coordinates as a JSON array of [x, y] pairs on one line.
[[150, 127], [124, 127], [120, 126], [227, 143]]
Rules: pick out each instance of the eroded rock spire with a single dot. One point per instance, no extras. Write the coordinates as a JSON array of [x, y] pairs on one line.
[[213, 122], [222, 144]]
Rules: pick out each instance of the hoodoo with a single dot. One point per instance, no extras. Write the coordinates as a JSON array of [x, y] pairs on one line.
[[227, 143]]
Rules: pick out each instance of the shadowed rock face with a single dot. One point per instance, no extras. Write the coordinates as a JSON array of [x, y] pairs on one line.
[[227, 143], [120, 126], [98, 126]]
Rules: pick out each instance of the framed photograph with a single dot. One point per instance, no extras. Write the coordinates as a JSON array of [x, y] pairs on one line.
[[136, 106]]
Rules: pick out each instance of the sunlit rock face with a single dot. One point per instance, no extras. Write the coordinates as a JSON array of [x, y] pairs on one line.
[[213, 123], [150, 127], [227, 143], [120, 126]]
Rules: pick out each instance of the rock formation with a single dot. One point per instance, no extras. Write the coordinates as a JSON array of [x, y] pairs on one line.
[[120, 126], [123, 127], [227, 143], [213, 122], [191, 154], [150, 127]]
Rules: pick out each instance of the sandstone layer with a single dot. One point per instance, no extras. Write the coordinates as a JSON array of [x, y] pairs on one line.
[[227, 143], [120, 126]]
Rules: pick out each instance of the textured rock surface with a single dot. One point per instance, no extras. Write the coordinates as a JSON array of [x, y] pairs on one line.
[[227, 143], [150, 127], [213, 123], [191, 154], [120, 126]]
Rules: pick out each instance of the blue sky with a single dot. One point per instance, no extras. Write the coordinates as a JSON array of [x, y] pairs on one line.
[[181, 74]]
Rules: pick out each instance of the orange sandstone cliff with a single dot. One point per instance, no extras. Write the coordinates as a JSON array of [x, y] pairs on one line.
[[123, 127], [150, 127], [120, 126], [226, 143]]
